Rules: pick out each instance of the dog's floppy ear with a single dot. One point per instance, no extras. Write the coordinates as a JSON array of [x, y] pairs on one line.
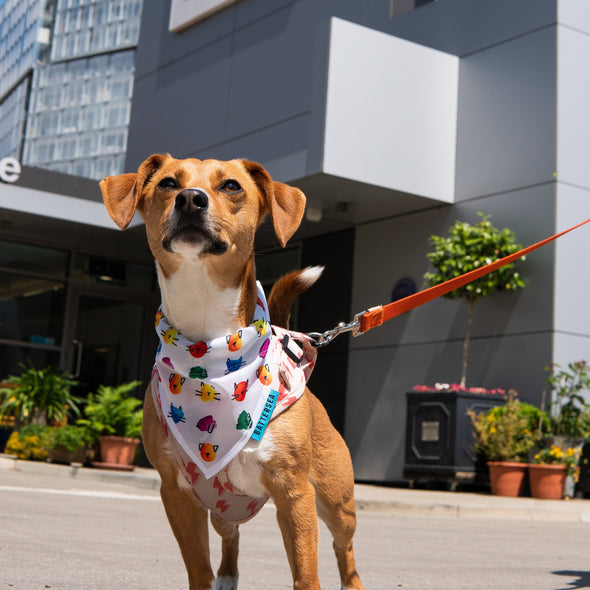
[[122, 193], [285, 203]]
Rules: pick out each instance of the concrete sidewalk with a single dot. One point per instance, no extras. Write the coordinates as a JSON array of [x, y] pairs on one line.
[[397, 501]]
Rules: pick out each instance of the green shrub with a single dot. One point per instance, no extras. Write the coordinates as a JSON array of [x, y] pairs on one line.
[[30, 443], [112, 410], [69, 436], [40, 396], [508, 432], [570, 412]]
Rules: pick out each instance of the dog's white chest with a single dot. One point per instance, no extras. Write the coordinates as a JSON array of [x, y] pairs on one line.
[[193, 303], [245, 470]]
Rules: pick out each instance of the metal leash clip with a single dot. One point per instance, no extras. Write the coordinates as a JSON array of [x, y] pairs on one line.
[[319, 339]]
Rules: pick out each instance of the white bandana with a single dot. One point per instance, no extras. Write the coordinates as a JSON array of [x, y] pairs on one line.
[[218, 394]]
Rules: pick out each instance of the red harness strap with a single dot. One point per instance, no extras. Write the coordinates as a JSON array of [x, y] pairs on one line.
[[377, 315]]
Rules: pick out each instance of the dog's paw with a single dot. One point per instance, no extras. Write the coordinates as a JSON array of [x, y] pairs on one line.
[[227, 583]]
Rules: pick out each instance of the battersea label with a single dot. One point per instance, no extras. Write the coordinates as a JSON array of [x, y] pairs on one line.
[[9, 170], [266, 414], [430, 431]]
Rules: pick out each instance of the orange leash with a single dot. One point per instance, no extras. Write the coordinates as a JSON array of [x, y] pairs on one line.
[[375, 316]]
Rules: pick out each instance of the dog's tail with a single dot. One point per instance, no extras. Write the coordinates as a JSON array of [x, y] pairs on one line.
[[286, 289]]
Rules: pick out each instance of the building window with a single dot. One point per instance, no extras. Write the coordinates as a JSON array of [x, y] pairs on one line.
[[80, 114], [32, 295]]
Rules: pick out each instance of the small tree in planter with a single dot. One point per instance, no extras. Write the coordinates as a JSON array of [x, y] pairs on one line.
[[114, 416], [466, 248]]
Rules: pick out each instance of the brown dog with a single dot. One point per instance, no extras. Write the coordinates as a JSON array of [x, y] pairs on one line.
[[201, 218]]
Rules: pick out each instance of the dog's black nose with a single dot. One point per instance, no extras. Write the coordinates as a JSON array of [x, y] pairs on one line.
[[191, 200]]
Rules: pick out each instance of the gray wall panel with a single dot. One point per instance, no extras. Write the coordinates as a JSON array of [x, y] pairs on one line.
[[182, 107], [158, 47], [281, 148], [462, 27], [506, 121], [573, 114], [251, 10], [271, 71]]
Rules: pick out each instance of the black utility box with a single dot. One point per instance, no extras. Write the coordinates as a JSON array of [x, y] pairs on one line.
[[439, 436]]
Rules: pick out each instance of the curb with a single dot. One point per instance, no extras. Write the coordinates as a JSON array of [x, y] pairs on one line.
[[369, 498], [143, 478], [404, 502]]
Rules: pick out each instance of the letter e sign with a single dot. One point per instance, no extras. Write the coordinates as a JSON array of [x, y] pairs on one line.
[[9, 169]]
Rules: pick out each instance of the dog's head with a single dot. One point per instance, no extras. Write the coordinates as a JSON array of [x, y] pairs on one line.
[[202, 208]]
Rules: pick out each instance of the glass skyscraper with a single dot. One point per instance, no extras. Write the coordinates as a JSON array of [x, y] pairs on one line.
[[66, 79]]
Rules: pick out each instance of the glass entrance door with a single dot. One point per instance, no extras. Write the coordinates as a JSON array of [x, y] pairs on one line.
[[108, 346]]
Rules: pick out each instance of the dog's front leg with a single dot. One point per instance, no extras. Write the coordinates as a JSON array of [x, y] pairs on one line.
[[188, 519], [227, 574], [189, 522], [297, 518]]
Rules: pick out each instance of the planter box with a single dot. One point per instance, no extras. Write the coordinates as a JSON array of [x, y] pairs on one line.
[[62, 455], [439, 436]]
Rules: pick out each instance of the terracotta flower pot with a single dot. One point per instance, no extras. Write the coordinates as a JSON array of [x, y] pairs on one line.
[[117, 452], [547, 481], [507, 478]]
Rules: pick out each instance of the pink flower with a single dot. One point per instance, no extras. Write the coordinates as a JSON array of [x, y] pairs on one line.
[[455, 387]]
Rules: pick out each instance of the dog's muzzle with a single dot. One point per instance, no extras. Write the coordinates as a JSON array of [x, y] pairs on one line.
[[190, 223]]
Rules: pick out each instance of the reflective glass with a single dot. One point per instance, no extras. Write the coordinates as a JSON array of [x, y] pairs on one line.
[[12, 357], [31, 309], [96, 269], [27, 257]]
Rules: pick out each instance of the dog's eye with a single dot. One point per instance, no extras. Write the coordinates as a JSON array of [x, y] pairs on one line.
[[168, 183], [231, 186]]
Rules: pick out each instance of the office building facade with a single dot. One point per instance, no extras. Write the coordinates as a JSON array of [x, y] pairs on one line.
[[395, 118], [66, 83], [73, 293]]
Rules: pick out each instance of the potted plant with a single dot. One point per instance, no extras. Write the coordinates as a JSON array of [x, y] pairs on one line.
[[505, 435], [38, 396], [549, 469], [466, 248], [570, 414], [114, 416], [68, 444]]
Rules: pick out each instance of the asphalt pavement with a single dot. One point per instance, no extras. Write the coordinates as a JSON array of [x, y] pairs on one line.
[[393, 500], [75, 528]]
